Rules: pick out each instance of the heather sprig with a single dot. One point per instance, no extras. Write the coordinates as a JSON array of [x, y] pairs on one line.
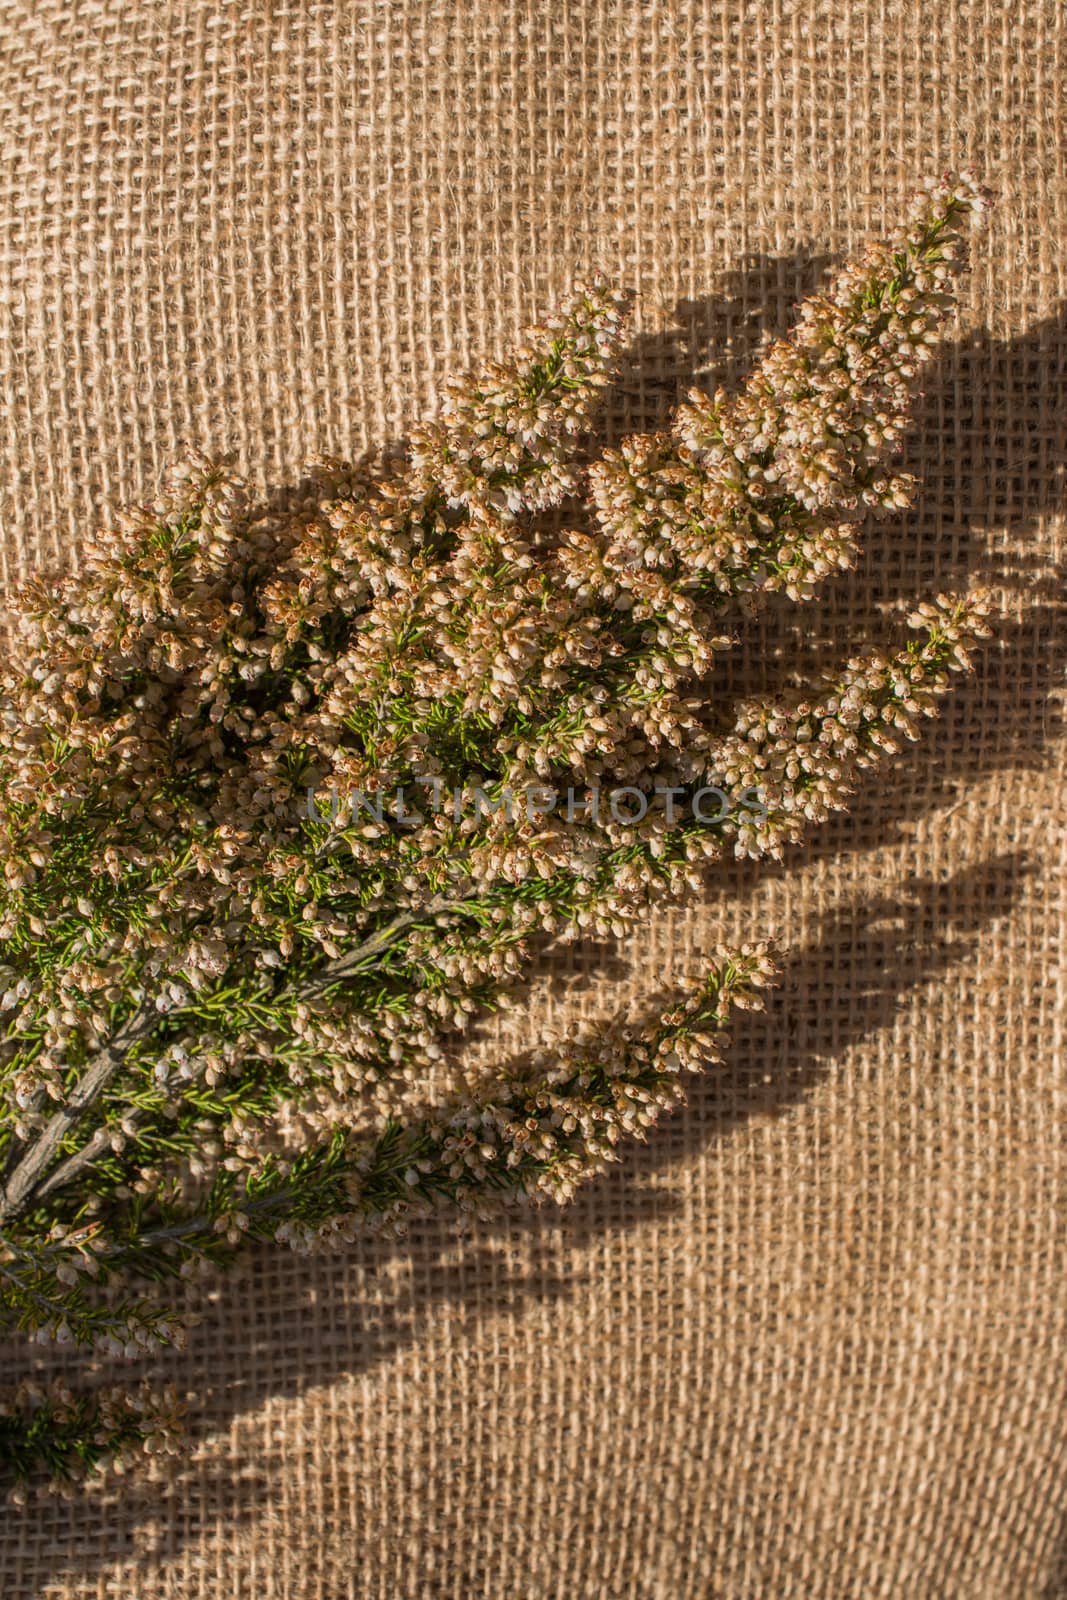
[[232, 952], [50, 1429]]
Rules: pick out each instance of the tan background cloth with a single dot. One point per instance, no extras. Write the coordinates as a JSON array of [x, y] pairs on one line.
[[809, 1342]]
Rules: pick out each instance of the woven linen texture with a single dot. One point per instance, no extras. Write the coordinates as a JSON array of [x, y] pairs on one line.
[[808, 1343]]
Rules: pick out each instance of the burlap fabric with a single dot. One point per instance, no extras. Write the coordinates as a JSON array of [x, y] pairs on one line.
[[809, 1341]]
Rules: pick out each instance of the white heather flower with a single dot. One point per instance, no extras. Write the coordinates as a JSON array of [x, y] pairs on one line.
[[257, 853]]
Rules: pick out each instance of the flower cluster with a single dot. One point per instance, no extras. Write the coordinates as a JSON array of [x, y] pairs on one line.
[[219, 1004], [49, 1428]]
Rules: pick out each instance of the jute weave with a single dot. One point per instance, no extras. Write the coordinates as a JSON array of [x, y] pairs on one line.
[[808, 1344]]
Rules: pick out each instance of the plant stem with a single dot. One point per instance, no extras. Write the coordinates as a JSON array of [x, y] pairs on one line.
[[106, 1064]]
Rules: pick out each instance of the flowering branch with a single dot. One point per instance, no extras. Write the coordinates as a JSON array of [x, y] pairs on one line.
[[233, 947]]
